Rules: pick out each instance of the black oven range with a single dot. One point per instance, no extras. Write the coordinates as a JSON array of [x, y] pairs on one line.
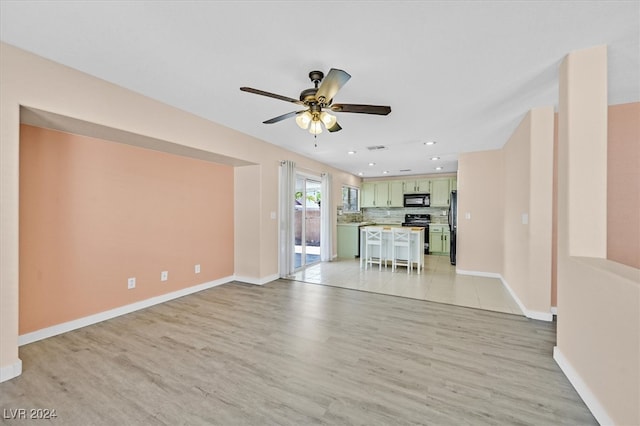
[[419, 220]]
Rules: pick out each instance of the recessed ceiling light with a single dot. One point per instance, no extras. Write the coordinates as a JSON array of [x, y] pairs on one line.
[[430, 143], [438, 168], [435, 158], [372, 164], [360, 173], [385, 172], [351, 152]]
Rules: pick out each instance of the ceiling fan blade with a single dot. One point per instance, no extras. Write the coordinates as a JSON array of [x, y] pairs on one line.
[[361, 109], [282, 117], [335, 128], [271, 95], [330, 85]]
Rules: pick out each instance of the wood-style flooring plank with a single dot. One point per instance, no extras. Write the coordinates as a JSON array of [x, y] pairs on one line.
[[289, 353]]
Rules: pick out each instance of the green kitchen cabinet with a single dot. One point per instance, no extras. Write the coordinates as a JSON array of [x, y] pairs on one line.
[[348, 235], [382, 194], [440, 190], [417, 186], [368, 195], [439, 239]]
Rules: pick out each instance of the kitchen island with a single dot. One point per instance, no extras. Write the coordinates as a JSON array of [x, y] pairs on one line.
[[417, 245]]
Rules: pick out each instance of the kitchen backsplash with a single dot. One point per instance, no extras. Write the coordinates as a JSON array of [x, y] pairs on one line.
[[393, 215], [349, 217]]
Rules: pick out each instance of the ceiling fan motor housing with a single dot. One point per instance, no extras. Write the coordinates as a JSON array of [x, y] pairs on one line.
[[308, 96]]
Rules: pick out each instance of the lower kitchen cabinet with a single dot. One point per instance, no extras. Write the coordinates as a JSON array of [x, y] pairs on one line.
[[348, 238], [439, 239]]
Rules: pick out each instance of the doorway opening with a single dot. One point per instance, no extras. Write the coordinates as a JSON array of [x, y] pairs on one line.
[[307, 219]]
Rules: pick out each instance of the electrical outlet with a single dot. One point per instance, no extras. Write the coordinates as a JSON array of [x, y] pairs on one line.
[[164, 275], [131, 283], [197, 268]]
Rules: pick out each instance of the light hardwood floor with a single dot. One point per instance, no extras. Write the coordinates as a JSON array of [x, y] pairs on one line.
[[289, 353], [438, 282]]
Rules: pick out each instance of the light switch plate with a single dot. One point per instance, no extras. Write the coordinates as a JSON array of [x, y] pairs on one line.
[[164, 275], [131, 283]]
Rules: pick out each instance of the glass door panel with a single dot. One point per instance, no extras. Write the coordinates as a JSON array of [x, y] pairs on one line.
[[307, 221]]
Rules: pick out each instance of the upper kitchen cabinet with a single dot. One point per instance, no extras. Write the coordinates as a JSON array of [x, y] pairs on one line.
[[368, 195], [382, 194], [440, 190], [389, 194], [421, 186]]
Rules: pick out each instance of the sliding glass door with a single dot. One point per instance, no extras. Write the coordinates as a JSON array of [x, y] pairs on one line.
[[307, 220]]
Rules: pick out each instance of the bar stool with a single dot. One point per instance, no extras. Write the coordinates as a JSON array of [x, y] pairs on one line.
[[400, 242], [372, 239]]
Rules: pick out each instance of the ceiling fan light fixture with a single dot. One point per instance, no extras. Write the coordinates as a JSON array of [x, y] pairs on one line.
[[303, 120], [328, 119], [316, 127]]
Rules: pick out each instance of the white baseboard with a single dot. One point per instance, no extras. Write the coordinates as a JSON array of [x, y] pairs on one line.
[[102, 316], [583, 390], [256, 281], [537, 315], [478, 273], [10, 371]]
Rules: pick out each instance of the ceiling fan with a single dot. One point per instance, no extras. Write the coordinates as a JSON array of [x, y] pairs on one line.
[[318, 100]]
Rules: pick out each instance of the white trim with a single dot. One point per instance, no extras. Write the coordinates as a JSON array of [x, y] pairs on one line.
[[581, 387], [256, 281], [537, 315], [116, 312], [554, 310], [479, 274], [10, 371]]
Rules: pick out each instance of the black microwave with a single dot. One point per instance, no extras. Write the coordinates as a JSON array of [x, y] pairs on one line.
[[416, 200]]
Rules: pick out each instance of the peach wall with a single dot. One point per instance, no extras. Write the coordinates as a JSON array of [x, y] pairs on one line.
[[246, 250], [32, 81], [623, 184], [538, 294], [623, 189], [517, 187], [94, 213], [510, 190], [554, 218], [481, 195], [528, 177], [598, 332]]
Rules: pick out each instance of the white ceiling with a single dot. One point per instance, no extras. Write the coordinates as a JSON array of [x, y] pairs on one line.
[[462, 73]]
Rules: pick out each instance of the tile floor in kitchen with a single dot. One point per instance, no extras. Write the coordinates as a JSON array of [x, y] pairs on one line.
[[438, 282]]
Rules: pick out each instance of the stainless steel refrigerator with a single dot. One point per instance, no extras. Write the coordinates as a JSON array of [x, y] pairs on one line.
[[453, 224]]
